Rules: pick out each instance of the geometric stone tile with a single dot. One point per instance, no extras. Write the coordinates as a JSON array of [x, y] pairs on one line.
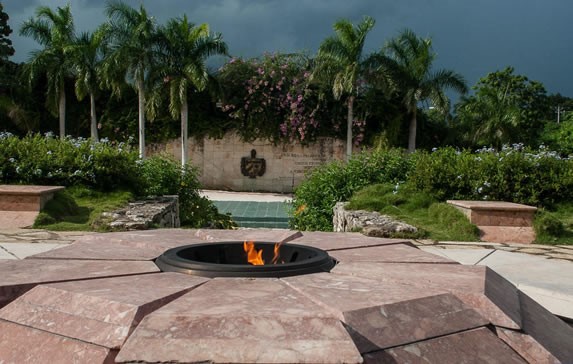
[[395, 253], [526, 346], [334, 241], [402, 323], [233, 320], [474, 346], [466, 282], [20, 344], [18, 276], [100, 311], [466, 256], [342, 293], [146, 245], [504, 295], [269, 235], [548, 330]]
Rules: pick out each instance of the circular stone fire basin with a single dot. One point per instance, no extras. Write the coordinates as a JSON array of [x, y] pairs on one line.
[[229, 259]]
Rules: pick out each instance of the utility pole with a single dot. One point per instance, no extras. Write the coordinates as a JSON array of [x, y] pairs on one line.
[[559, 112]]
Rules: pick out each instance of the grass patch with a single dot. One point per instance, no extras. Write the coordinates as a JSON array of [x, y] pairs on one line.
[[434, 220], [79, 208], [554, 226]]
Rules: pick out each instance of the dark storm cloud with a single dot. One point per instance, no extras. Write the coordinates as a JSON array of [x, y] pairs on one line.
[[471, 37]]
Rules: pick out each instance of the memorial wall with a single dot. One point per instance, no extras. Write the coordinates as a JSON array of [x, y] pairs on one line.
[[231, 164]]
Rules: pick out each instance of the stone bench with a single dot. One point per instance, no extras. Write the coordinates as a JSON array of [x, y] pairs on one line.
[[20, 204], [498, 221]]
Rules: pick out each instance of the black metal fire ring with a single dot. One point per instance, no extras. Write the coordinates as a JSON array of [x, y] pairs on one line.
[[228, 259]]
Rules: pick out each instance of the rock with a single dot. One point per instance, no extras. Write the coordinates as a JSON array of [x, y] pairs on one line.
[[370, 223], [162, 211]]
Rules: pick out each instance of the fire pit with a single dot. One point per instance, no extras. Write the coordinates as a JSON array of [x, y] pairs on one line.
[[245, 259]]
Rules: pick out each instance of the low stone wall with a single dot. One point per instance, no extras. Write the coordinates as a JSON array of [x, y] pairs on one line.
[[220, 161], [370, 223], [161, 212]]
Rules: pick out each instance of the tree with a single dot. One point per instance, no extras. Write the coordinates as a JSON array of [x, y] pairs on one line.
[[506, 108], [6, 49], [407, 59], [340, 61], [86, 57], [55, 31], [131, 37], [184, 48]]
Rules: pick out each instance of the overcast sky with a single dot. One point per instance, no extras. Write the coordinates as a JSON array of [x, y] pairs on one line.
[[472, 37]]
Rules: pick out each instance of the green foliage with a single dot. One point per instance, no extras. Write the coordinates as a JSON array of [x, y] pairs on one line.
[[36, 159], [271, 98], [79, 209], [433, 219], [407, 60], [559, 137], [555, 225], [505, 109], [513, 174], [6, 49], [334, 182], [103, 166], [163, 176]]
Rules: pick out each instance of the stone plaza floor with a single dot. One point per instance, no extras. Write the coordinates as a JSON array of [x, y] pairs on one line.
[[102, 299]]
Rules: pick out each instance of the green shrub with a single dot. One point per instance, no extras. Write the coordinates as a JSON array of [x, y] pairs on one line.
[[45, 160], [162, 176], [436, 220], [103, 166], [336, 181], [514, 174]]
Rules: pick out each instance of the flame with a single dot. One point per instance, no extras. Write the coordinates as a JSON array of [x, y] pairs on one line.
[[254, 256]]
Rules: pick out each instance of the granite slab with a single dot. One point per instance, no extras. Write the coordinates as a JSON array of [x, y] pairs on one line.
[[330, 241], [99, 311], [405, 322], [394, 253], [18, 276], [235, 320], [21, 344], [475, 346]]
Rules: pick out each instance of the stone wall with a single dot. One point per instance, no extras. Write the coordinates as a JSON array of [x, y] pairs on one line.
[[155, 212], [219, 161], [370, 223]]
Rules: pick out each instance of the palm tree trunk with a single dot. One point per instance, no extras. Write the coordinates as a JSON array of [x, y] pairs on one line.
[[62, 113], [93, 118], [412, 133], [141, 110], [349, 130], [184, 132]]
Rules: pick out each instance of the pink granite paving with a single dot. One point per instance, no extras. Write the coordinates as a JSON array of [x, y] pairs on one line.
[[468, 283], [336, 241], [475, 346], [395, 253], [120, 247], [21, 344], [385, 301], [18, 276], [254, 320], [99, 311]]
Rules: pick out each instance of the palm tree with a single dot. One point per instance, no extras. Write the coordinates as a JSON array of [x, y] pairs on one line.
[[55, 31], [407, 59], [185, 47], [86, 56], [130, 54], [340, 61]]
